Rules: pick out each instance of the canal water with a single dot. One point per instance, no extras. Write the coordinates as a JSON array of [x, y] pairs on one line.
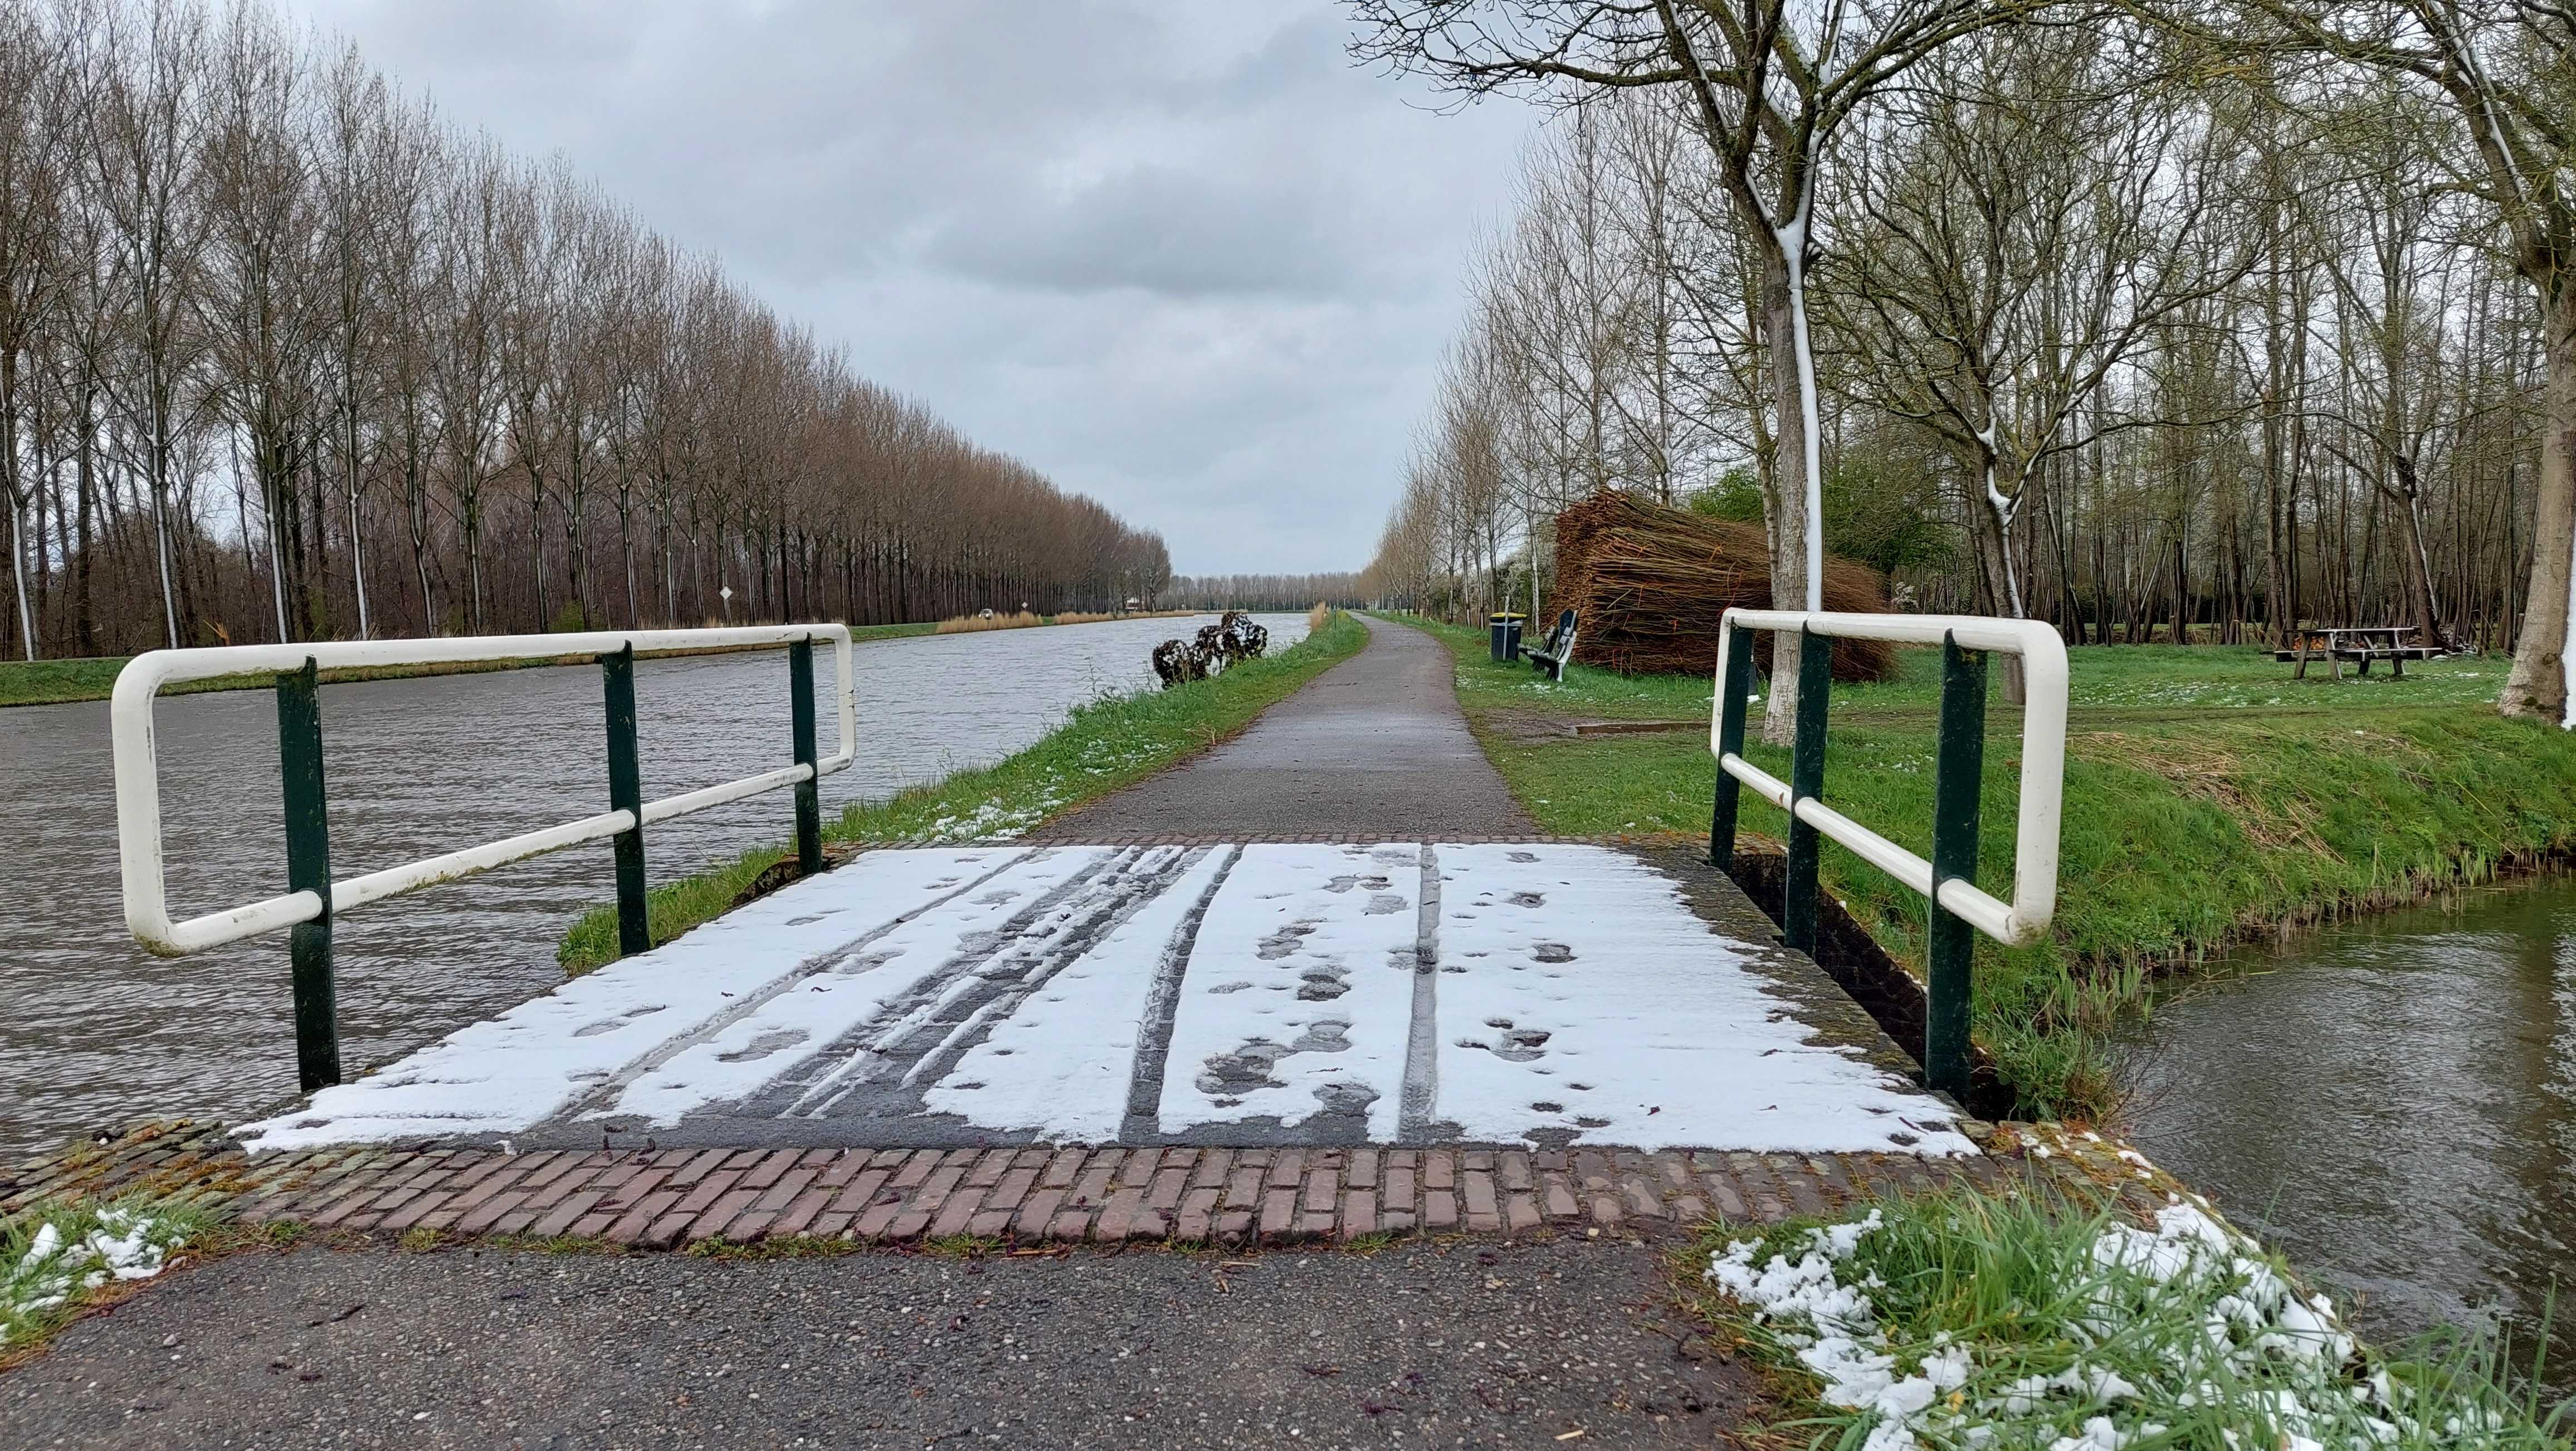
[[2393, 1104], [95, 1032]]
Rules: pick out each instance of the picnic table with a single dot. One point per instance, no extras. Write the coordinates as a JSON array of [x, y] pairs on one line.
[[2359, 643]]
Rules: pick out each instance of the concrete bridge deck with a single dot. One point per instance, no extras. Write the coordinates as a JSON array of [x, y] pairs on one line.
[[1538, 995], [1320, 985]]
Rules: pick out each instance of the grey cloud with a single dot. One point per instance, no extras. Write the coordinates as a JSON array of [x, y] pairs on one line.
[[1181, 255], [1159, 229]]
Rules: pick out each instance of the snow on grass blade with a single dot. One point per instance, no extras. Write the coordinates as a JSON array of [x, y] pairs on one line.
[[1965, 1321], [50, 1257]]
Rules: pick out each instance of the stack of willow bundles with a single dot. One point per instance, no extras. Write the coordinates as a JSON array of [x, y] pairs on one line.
[[1651, 583]]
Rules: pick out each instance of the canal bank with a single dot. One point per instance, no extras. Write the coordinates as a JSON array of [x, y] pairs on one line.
[[100, 1032], [2314, 957], [2393, 1102], [751, 1204], [2210, 800], [92, 677]]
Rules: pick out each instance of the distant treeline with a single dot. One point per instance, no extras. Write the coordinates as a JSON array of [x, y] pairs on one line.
[[284, 353], [1261, 591]]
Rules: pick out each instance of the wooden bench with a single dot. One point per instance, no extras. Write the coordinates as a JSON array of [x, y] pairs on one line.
[[1558, 648]]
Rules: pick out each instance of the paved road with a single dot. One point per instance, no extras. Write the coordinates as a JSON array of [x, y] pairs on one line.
[[1464, 1344], [1375, 746], [1472, 1342]]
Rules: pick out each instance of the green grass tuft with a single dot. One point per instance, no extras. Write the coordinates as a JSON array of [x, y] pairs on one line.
[[2031, 1321], [55, 1259]]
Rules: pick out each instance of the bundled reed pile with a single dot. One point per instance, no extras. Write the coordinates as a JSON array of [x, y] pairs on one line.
[[1651, 583]]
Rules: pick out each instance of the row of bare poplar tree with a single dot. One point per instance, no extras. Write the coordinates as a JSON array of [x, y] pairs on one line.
[[2237, 317], [1264, 591], [286, 355]]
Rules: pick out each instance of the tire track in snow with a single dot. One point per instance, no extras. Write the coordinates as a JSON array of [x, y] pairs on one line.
[[884, 1069], [607, 1090], [1162, 1002], [1422, 1041]]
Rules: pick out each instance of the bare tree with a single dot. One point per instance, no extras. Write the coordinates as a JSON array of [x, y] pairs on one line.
[[1999, 285], [1771, 85], [2506, 75], [32, 260], [151, 122]]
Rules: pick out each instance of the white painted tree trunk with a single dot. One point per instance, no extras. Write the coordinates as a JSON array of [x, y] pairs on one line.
[[1811, 445], [160, 482], [276, 575], [18, 572], [1797, 534], [1530, 525], [2001, 510], [358, 562], [161, 547]]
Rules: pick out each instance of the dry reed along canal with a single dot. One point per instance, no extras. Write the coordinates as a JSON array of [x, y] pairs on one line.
[[96, 1032], [2393, 1104]]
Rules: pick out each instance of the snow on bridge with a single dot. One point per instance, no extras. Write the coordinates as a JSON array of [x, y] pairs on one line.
[[1235, 995]]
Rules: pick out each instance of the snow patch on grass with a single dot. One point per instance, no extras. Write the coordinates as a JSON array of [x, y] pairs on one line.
[[1958, 1322], [990, 821], [50, 1257]]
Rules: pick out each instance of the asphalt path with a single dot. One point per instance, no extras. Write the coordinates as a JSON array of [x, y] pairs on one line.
[[1466, 1343], [1569, 1342], [1375, 746]]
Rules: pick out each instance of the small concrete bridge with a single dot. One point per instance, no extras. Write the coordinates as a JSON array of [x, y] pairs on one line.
[[1331, 955], [1528, 994]]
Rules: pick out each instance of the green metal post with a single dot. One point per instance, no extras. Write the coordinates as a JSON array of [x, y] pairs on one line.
[[1731, 689], [809, 792], [308, 869], [1806, 779], [626, 793], [1957, 778]]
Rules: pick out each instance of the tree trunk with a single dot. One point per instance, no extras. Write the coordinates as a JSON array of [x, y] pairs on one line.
[[2428, 614], [2538, 685], [1792, 506]]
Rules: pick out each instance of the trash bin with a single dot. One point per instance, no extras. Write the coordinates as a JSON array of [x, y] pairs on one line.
[[1507, 636]]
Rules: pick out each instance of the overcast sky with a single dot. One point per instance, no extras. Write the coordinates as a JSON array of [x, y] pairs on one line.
[[1177, 254]]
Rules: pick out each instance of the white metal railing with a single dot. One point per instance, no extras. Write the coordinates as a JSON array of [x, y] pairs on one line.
[[138, 789], [1946, 880], [2043, 760]]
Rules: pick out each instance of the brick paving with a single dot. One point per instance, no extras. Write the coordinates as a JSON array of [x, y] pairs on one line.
[[672, 1198]]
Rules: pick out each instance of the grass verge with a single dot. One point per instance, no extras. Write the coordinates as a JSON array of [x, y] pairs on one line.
[[1024, 620], [60, 682], [1108, 743], [2209, 799], [1967, 1319], [58, 1260]]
